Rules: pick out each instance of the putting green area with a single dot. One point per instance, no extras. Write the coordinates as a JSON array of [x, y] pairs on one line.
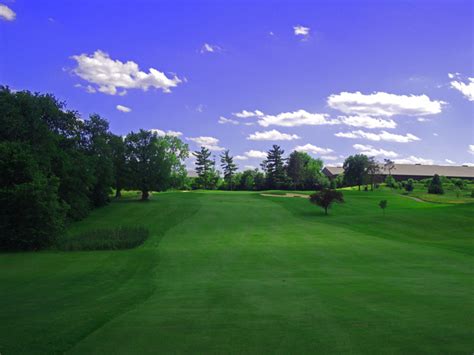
[[238, 272]]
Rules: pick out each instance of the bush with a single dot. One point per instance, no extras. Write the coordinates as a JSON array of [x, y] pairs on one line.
[[409, 185], [105, 239], [390, 181], [472, 193], [436, 186]]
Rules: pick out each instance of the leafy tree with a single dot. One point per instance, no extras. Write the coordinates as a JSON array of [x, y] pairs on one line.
[[150, 170], [409, 185], [176, 151], [389, 165], [229, 168], [325, 198], [355, 169], [373, 170], [259, 180], [119, 160], [436, 186], [274, 167], [383, 205], [32, 214], [390, 181], [205, 168], [296, 169], [459, 183]]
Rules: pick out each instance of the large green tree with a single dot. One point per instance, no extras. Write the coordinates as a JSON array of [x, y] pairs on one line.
[[355, 169], [150, 170], [176, 152], [274, 167], [229, 168], [120, 166]]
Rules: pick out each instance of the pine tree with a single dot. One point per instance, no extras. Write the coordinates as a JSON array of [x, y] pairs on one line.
[[274, 167], [205, 168], [229, 168]]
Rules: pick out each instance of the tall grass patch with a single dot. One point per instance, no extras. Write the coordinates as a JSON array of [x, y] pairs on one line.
[[105, 239]]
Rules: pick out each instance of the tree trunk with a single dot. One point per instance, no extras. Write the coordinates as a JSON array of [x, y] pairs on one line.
[[326, 210], [359, 187], [118, 193], [145, 195]]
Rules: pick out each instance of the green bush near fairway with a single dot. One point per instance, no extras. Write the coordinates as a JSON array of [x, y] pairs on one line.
[[105, 239]]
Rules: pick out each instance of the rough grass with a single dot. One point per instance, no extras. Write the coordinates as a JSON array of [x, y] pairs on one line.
[[105, 239], [236, 272]]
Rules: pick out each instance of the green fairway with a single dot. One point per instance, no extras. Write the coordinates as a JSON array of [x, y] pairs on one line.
[[237, 272]]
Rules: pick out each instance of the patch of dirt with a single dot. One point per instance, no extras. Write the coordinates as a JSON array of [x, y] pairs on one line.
[[286, 195]]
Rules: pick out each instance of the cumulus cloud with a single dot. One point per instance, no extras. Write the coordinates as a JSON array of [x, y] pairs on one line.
[[109, 75], [367, 122], [302, 31], [210, 48], [449, 161], [384, 104], [309, 148], [468, 164], [249, 167], [223, 120], [256, 154], [296, 118], [272, 135], [329, 157], [248, 114], [240, 157], [414, 160], [6, 13], [471, 149], [382, 136], [162, 133], [374, 152], [210, 143], [123, 108], [466, 88]]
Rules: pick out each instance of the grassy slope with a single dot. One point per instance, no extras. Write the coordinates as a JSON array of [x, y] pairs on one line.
[[238, 272]]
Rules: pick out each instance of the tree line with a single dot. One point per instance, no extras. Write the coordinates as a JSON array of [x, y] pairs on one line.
[[297, 172], [56, 167]]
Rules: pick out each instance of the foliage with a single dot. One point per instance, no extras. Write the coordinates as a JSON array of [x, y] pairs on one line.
[[355, 169], [176, 151], [390, 181], [409, 185], [325, 198], [436, 186], [372, 170], [383, 205], [205, 168], [229, 168], [274, 168], [105, 239]]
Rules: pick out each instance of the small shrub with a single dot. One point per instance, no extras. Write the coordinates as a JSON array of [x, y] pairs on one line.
[[436, 186], [383, 205], [325, 198], [472, 193], [390, 181], [105, 239], [409, 185]]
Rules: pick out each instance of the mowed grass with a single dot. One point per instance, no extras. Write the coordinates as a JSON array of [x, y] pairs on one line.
[[236, 272]]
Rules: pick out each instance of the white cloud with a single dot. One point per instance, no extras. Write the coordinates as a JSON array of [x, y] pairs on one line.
[[367, 122], [414, 160], [435, 134], [210, 48], [223, 120], [247, 114], [384, 104], [256, 154], [272, 135], [309, 148], [123, 108], [240, 157], [6, 13], [374, 152], [162, 133], [296, 118], [249, 167], [471, 149], [200, 108], [449, 161], [382, 136], [301, 31], [210, 143], [467, 89], [468, 164], [110, 75], [423, 119]]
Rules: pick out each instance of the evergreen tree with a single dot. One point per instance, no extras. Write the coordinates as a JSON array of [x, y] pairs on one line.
[[436, 186], [205, 169], [229, 168], [274, 167]]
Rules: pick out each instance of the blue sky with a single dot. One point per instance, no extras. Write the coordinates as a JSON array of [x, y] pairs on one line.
[[387, 78]]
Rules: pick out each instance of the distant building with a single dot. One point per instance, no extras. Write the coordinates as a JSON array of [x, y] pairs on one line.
[[414, 171]]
